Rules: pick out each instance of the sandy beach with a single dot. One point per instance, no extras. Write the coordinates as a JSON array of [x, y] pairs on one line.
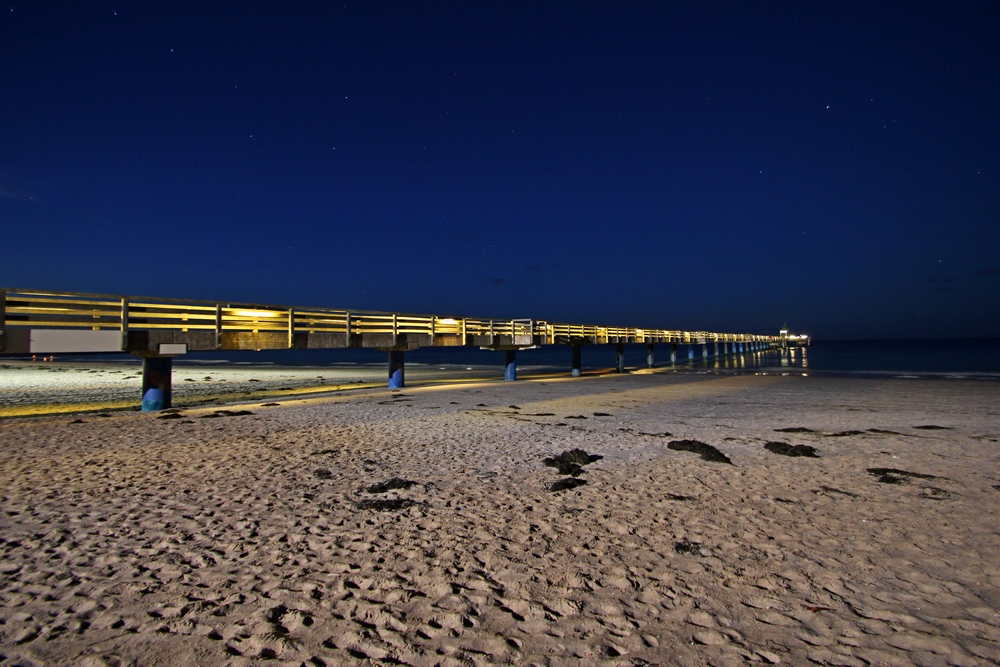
[[419, 527]]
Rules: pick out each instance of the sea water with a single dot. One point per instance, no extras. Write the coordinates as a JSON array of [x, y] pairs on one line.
[[960, 358]]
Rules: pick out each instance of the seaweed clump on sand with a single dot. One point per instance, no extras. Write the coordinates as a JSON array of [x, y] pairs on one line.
[[571, 462], [933, 427], [686, 546], [566, 483], [390, 485], [794, 429], [896, 476], [226, 413], [706, 451], [785, 449]]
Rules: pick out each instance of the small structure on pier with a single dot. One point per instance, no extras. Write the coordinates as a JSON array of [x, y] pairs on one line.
[[793, 340]]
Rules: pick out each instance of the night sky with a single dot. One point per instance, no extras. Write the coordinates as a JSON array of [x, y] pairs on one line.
[[703, 166]]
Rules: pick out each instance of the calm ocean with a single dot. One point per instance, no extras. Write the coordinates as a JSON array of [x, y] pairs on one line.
[[965, 358]]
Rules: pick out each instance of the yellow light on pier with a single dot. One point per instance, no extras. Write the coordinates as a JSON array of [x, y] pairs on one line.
[[256, 313]]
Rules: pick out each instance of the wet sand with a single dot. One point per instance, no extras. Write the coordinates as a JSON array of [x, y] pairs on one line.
[[418, 527], [35, 388]]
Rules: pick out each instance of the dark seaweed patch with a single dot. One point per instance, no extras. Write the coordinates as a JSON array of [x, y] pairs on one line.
[[665, 434], [678, 497], [686, 546], [542, 414], [171, 415], [385, 505], [602, 414], [883, 431], [390, 485], [706, 451], [226, 413], [322, 473], [785, 449], [269, 405], [896, 476], [794, 429], [571, 461], [830, 489], [514, 407], [933, 427], [575, 417], [844, 434], [567, 483]]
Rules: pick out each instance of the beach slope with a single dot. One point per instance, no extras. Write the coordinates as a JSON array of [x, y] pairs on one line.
[[704, 520]]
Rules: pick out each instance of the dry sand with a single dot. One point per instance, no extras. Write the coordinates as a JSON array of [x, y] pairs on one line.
[[249, 539]]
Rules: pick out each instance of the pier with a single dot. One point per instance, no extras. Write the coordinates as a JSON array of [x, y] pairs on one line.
[[158, 329]]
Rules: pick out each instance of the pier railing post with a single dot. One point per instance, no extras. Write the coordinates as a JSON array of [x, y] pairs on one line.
[[124, 324], [218, 326], [3, 317]]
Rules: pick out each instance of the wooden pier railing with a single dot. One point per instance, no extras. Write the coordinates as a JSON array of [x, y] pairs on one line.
[[42, 321]]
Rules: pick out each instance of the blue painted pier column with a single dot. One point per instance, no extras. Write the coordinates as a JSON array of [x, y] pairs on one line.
[[649, 356], [577, 361], [690, 352], [673, 354], [397, 363], [156, 382], [510, 365], [619, 358]]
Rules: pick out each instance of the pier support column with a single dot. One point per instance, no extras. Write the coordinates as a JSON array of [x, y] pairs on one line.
[[510, 365], [690, 352], [397, 364], [157, 375], [716, 350], [704, 352], [673, 354], [619, 358], [649, 356], [577, 365]]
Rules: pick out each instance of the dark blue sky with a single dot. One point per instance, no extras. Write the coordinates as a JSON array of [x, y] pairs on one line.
[[721, 166]]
